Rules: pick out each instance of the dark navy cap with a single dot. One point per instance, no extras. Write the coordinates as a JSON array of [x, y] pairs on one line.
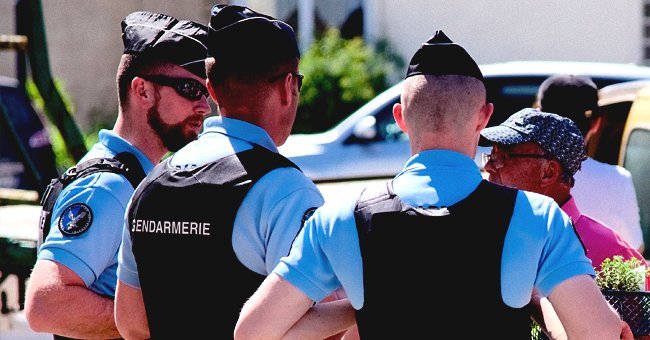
[[165, 38], [243, 40], [572, 96], [558, 136], [440, 56]]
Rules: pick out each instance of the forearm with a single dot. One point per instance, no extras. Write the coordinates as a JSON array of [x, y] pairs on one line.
[[130, 313], [73, 311], [134, 333], [323, 320], [543, 313], [583, 311]]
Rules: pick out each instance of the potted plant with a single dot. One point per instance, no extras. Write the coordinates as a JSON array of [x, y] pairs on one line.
[[623, 285]]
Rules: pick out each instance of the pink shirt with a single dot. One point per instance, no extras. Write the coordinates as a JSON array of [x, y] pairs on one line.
[[600, 241]]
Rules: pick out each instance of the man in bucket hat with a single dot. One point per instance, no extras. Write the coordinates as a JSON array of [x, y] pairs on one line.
[[162, 103], [226, 206], [541, 152], [386, 247]]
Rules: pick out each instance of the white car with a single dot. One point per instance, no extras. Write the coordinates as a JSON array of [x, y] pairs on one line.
[[369, 144]]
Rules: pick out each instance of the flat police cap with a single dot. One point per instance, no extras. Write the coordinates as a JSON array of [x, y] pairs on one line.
[[440, 56], [165, 38], [243, 40]]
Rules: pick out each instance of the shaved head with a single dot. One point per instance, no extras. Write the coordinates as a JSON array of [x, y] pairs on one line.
[[441, 104]]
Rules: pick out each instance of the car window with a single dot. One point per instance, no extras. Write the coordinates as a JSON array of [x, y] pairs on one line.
[[637, 161], [387, 128], [509, 95]]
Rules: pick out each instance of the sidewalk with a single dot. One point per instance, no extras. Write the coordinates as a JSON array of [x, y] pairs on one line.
[[18, 222]]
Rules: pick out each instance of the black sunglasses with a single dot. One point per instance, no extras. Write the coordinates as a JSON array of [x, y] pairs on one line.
[[189, 88], [298, 76]]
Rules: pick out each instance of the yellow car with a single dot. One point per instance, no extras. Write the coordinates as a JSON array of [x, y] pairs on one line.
[[635, 154], [624, 139]]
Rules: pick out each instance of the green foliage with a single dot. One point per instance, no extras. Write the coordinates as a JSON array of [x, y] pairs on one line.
[[340, 76], [63, 158], [536, 331], [37, 100], [617, 274]]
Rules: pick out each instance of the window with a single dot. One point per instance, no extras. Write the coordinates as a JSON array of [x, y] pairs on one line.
[[637, 161], [387, 128]]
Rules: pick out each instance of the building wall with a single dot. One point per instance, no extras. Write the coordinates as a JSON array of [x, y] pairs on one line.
[[502, 30], [85, 45]]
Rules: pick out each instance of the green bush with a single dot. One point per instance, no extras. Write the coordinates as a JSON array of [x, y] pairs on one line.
[[340, 76], [63, 158]]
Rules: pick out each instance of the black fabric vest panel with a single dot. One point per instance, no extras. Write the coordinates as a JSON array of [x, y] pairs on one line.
[[194, 286], [125, 164], [416, 287]]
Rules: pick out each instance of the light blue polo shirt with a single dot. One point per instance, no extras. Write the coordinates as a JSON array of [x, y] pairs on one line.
[[540, 250], [271, 213], [92, 254]]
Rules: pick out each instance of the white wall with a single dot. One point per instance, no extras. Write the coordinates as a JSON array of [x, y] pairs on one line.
[[85, 45], [262, 6], [501, 30]]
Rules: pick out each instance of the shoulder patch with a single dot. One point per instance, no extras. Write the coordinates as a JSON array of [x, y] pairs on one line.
[[75, 219]]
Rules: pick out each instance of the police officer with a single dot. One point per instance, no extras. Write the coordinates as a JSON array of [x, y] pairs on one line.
[[223, 210], [389, 249], [162, 103]]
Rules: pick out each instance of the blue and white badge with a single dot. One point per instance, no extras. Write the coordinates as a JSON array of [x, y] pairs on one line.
[[75, 219]]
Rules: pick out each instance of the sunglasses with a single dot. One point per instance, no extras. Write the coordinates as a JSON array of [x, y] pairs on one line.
[[298, 76], [189, 88]]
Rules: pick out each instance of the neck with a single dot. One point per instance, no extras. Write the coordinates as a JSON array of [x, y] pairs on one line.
[[263, 117], [142, 137], [558, 193], [562, 198], [434, 141]]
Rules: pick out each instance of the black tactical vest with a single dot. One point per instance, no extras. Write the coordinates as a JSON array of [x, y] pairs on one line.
[[181, 223], [125, 164], [415, 287]]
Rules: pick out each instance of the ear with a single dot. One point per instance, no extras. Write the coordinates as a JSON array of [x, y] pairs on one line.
[[211, 90], [399, 117], [594, 127], [551, 173], [484, 116], [142, 92], [287, 90]]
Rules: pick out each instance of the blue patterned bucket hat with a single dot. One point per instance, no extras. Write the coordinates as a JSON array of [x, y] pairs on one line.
[[558, 136]]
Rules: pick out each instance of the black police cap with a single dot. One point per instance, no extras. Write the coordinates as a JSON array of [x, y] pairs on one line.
[[440, 56], [165, 38], [242, 40]]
